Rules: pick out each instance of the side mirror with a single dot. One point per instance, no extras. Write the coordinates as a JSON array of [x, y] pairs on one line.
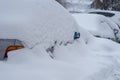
[[76, 35]]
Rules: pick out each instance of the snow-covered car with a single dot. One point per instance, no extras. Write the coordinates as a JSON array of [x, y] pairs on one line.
[[113, 15], [8, 45], [98, 25], [34, 23]]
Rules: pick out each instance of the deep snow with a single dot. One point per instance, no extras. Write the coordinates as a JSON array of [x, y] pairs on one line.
[[25, 18], [85, 59], [98, 59], [77, 5]]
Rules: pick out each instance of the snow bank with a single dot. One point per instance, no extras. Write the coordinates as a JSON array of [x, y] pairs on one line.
[[32, 22], [96, 59], [70, 61]]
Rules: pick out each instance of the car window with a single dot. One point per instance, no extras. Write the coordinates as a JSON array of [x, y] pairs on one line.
[[107, 14]]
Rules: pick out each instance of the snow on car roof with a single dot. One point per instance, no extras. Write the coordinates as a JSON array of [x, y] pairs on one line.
[[33, 22]]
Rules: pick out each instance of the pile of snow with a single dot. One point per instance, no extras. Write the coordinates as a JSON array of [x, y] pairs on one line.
[[32, 22], [98, 25], [78, 61]]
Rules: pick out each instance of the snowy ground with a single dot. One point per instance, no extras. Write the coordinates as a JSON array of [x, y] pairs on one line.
[[88, 58], [96, 60]]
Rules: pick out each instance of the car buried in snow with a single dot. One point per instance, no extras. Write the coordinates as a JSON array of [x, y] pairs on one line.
[[113, 15], [7, 45], [98, 25]]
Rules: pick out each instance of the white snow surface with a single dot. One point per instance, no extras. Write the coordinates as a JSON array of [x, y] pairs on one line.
[[32, 22], [87, 58], [98, 60]]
